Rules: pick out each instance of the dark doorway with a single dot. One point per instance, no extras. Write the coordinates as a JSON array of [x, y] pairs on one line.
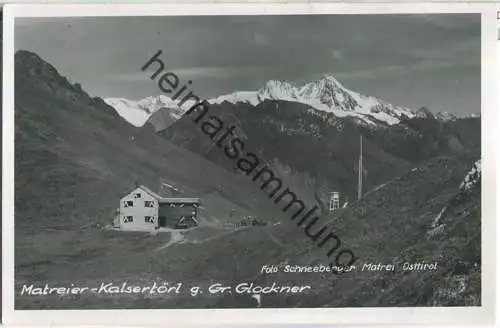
[[162, 221]]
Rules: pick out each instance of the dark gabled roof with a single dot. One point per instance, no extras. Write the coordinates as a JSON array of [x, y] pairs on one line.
[[186, 200], [169, 199], [150, 192]]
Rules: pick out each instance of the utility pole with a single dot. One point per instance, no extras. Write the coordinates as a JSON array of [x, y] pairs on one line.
[[360, 168]]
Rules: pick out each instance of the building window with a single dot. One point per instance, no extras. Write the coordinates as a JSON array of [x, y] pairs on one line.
[[148, 203], [128, 203], [149, 219], [138, 195], [128, 219], [176, 205]]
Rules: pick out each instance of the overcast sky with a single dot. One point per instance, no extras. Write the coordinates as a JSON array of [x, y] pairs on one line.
[[407, 60]]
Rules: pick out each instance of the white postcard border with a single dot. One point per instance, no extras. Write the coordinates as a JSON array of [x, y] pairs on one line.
[[408, 315]]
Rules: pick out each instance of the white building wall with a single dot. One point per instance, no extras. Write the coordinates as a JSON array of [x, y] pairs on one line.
[[138, 211]]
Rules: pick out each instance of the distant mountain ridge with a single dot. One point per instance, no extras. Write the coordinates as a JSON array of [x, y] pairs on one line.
[[326, 94], [138, 112]]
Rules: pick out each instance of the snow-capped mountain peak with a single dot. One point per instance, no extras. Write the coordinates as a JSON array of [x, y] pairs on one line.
[[445, 116], [138, 112], [326, 84], [472, 177], [154, 103], [330, 92], [249, 97], [325, 94], [278, 90]]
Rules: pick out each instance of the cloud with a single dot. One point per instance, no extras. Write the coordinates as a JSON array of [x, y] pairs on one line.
[[460, 51], [221, 54], [194, 73], [207, 71], [394, 70]]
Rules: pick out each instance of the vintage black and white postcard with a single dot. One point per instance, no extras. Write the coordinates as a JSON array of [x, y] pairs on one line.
[[253, 163]]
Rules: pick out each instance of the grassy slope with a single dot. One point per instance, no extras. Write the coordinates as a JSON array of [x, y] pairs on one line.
[[378, 233]]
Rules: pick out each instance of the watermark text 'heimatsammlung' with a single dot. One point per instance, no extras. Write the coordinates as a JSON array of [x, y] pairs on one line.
[[246, 161]]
